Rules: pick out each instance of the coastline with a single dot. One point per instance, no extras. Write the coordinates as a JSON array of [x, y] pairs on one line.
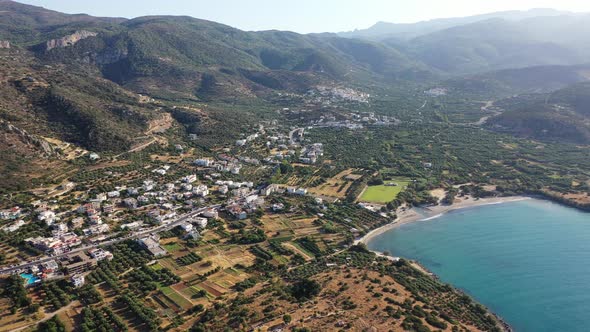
[[406, 216]]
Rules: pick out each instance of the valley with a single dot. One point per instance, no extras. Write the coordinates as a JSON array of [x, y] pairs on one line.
[[167, 173]]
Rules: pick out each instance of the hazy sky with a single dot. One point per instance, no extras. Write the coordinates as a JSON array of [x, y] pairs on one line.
[[304, 16]]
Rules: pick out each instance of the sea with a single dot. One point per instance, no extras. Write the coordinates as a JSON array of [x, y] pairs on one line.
[[527, 261]]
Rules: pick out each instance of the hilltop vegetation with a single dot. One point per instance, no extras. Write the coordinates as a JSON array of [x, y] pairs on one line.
[[561, 115]]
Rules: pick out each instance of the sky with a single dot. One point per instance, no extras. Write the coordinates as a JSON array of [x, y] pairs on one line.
[[304, 16]]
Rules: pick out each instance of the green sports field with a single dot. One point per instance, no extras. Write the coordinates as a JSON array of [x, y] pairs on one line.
[[383, 193]]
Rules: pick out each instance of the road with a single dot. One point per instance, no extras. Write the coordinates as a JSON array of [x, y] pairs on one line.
[[135, 235]]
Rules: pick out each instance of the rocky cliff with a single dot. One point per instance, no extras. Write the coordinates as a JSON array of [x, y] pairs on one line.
[[69, 40], [42, 145]]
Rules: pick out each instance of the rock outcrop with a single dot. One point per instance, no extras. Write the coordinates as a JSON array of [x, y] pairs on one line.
[[4, 44], [69, 40], [46, 149]]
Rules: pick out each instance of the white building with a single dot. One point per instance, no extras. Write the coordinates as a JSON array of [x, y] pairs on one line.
[[203, 162], [210, 213], [100, 254], [201, 190], [186, 227], [77, 280], [189, 178], [200, 222], [47, 216], [14, 227]]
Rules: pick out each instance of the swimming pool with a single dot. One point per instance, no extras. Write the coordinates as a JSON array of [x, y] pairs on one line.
[[29, 278]]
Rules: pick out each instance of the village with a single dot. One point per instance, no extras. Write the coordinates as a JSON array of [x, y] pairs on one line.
[[131, 211]]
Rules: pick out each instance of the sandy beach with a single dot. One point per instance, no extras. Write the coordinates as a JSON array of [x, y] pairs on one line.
[[406, 216]]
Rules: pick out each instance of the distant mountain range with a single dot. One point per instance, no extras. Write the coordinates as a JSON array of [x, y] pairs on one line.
[[406, 31]]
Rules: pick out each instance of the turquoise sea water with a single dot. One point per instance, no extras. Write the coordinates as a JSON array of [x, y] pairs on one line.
[[528, 261]]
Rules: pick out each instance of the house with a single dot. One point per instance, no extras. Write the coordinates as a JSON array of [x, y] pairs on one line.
[[108, 208], [155, 215], [143, 200], [77, 280], [47, 216], [200, 222], [278, 207], [222, 190], [95, 219], [101, 197], [93, 156], [49, 266], [14, 227], [130, 202], [428, 165], [203, 162], [270, 189], [96, 229], [59, 229], [210, 213], [237, 211], [241, 142], [148, 185], [99, 254], [201, 190], [301, 191], [70, 239], [186, 227], [12, 213], [114, 193], [77, 222], [132, 191], [152, 245], [189, 178]]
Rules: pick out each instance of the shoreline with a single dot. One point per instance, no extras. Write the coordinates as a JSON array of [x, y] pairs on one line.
[[406, 216]]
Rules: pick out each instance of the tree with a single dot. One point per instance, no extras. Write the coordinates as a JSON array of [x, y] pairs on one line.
[[287, 319], [51, 325], [305, 289]]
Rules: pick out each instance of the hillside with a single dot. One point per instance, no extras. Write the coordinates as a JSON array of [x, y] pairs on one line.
[[509, 82], [562, 115]]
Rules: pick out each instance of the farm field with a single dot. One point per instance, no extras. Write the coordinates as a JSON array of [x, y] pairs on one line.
[[336, 186], [384, 193]]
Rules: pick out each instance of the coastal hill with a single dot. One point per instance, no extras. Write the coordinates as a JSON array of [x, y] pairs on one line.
[[560, 115]]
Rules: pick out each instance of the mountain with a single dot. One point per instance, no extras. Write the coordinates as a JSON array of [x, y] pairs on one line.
[[407, 31], [25, 24], [563, 115], [509, 82], [499, 44], [184, 57], [83, 79]]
